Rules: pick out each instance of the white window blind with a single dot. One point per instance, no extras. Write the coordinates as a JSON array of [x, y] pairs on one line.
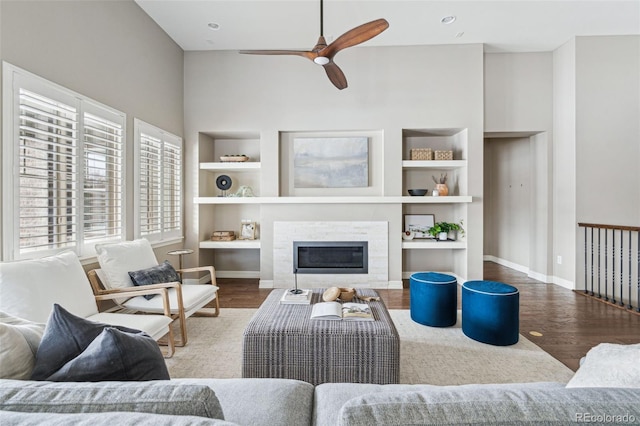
[[63, 183], [159, 183], [150, 185], [103, 180], [48, 173]]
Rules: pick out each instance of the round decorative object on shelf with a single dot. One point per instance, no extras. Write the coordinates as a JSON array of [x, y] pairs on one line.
[[223, 182], [408, 235]]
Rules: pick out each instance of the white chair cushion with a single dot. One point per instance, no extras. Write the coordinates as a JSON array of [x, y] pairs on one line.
[[29, 288], [155, 326], [194, 297], [19, 341], [118, 259]]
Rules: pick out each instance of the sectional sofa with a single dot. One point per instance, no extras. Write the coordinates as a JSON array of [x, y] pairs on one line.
[[291, 402]]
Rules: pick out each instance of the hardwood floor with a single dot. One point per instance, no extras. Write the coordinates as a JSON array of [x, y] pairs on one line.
[[570, 323]]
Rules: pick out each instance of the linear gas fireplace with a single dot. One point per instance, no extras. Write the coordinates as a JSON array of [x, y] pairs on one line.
[[330, 257]]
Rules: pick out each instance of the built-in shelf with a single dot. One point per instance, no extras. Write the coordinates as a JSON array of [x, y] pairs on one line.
[[245, 166], [235, 244], [334, 200], [436, 165], [433, 245]]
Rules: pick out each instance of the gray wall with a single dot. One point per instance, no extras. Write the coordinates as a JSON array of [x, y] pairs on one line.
[[518, 157], [596, 144], [110, 51], [389, 89]]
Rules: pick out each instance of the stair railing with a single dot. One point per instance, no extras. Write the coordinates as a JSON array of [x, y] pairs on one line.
[[612, 264]]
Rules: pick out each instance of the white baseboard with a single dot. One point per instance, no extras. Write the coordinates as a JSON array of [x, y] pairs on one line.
[[563, 283], [237, 274], [507, 263], [532, 274], [395, 285], [266, 284]]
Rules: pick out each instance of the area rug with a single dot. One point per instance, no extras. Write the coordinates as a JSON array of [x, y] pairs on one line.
[[439, 356]]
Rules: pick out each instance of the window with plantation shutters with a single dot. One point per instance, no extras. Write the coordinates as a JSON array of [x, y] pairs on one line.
[[158, 183], [62, 169]]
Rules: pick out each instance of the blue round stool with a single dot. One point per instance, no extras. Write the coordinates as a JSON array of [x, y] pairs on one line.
[[433, 299], [491, 312]]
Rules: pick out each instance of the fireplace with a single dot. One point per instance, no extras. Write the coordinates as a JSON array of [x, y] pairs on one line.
[[330, 257], [374, 233]]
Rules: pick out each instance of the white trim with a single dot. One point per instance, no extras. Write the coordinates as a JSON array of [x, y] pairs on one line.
[[563, 283], [266, 284], [395, 285], [139, 127], [547, 279], [507, 263], [238, 274], [15, 78]]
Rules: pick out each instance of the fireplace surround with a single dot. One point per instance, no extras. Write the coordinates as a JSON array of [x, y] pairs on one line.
[[374, 233]]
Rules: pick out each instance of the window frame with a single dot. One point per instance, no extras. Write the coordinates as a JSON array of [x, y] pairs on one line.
[[14, 79], [163, 236]]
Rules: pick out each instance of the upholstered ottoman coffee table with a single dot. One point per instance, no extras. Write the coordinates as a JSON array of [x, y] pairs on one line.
[[282, 341]]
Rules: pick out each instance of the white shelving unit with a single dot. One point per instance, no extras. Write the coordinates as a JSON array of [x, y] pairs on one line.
[[219, 212], [334, 200], [417, 174]]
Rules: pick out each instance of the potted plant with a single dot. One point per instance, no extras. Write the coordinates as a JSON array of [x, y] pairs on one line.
[[441, 230]]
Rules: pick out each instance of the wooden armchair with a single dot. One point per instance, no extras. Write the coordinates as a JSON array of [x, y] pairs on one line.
[[29, 288], [185, 300]]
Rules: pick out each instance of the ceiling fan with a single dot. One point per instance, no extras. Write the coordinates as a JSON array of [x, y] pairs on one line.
[[322, 54]]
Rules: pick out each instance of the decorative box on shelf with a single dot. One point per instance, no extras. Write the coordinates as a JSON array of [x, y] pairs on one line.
[[443, 155], [421, 154], [223, 236]]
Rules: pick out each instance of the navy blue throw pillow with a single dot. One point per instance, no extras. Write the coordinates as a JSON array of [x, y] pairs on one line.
[[74, 349], [163, 273]]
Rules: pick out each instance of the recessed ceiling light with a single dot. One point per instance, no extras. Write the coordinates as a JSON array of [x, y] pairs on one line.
[[448, 19], [213, 26]]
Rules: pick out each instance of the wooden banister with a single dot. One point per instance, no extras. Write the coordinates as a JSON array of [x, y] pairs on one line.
[[603, 226]]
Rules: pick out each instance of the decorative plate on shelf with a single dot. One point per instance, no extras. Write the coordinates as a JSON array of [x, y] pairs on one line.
[[235, 158]]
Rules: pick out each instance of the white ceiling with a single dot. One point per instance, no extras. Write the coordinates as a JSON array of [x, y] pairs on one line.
[[502, 26]]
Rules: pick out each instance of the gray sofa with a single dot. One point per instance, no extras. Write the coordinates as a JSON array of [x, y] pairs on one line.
[[291, 402]]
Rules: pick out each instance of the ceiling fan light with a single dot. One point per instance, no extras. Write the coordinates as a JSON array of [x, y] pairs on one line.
[[321, 60]]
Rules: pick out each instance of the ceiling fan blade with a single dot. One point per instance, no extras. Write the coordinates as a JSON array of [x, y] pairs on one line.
[[303, 53], [355, 36], [336, 75]]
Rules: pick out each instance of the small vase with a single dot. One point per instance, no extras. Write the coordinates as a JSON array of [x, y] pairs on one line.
[[442, 236], [442, 189]]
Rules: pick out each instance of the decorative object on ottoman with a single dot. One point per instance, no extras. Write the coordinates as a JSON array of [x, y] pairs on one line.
[[491, 312], [441, 184], [433, 299], [345, 294]]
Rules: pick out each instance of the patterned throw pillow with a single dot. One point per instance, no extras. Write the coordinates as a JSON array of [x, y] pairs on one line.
[[76, 350], [163, 273]]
